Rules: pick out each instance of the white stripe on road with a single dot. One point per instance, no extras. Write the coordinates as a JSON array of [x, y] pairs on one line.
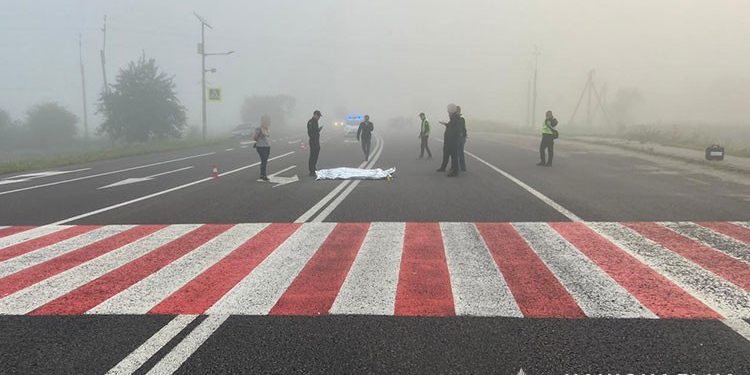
[[715, 240], [745, 224], [174, 359], [739, 326], [44, 254], [259, 291], [330, 196], [147, 293], [717, 293], [559, 208], [370, 287], [30, 234], [103, 174], [141, 355], [143, 198], [598, 295], [336, 202], [479, 288], [39, 294], [229, 149]]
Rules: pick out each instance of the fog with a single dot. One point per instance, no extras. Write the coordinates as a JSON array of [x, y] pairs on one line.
[[688, 60]]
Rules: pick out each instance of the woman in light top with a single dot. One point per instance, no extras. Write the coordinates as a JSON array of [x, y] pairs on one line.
[[263, 145]]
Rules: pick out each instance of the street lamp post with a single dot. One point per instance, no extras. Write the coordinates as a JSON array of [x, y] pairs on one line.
[[202, 52]]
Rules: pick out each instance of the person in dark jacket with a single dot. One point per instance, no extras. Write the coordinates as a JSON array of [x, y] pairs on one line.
[[461, 139], [313, 132], [364, 133], [424, 136], [548, 140], [450, 142]]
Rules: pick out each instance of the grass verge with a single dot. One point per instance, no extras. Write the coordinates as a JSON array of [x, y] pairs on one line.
[[72, 158]]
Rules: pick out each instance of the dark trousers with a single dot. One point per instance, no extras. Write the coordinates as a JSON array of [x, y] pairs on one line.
[[460, 152], [314, 153], [450, 151], [366, 147], [263, 152], [424, 146], [548, 143]]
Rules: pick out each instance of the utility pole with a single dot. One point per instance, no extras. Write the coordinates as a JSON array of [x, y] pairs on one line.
[[589, 89], [83, 89], [102, 54], [536, 69], [202, 52]]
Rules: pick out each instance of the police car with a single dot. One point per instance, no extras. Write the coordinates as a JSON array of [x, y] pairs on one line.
[[352, 123]]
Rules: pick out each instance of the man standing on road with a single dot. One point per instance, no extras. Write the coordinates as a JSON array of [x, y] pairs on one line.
[[313, 132], [424, 136], [461, 139], [450, 142], [365, 130], [548, 140]]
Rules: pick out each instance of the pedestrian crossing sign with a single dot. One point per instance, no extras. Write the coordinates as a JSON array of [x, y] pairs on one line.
[[214, 94]]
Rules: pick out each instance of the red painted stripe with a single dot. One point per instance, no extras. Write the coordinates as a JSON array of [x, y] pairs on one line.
[[90, 295], [731, 269], [653, 290], [424, 285], [538, 293], [201, 293], [9, 231], [315, 288], [47, 240], [32, 275], [735, 231]]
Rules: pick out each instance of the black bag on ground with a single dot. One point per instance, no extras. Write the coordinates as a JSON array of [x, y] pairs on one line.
[[715, 152]]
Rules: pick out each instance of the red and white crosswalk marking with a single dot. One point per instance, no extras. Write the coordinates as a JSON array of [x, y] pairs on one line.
[[533, 270]]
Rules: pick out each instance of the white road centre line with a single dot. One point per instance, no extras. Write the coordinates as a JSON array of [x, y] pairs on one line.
[[145, 197], [312, 211], [229, 149], [594, 290], [175, 358], [479, 288], [141, 355], [104, 174], [370, 287], [336, 202]]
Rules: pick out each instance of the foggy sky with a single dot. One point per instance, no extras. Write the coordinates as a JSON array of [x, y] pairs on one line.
[[689, 58]]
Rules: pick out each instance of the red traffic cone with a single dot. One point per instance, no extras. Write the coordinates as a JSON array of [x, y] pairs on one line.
[[215, 172]]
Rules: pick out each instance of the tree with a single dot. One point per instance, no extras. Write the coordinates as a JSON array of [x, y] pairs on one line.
[[51, 122], [278, 107], [142, 105]]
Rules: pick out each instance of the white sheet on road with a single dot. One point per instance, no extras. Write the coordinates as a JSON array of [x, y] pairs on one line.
[[345, 173]]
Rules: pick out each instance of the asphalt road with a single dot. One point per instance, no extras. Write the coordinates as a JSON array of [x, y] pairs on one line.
[[502, 185]]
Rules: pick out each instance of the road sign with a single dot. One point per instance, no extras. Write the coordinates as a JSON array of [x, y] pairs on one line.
[[214, 94]]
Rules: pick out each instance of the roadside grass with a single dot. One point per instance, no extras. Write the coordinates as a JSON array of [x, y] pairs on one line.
[[79, 157]]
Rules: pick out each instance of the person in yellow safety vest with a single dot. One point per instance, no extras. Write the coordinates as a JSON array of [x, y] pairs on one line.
[[548, 140], [424, 136]]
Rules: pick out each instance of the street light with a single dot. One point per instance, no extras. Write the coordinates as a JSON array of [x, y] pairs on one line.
[[202, 52]]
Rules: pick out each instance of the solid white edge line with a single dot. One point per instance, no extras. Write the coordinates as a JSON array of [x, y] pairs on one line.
[[141, 355], [739, 326], [145, 197], [104, 174], [559, 208], [336, 202], [177, 356], [314, 209]]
